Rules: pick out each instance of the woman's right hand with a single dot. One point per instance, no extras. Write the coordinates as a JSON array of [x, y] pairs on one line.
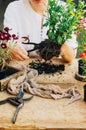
[[67, 53]]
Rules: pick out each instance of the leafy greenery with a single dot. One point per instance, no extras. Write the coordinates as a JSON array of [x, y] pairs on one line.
[[81, 35], [4, 57], [6, 41], [83, 67], [62, 20], [81, 38], [5, 52]]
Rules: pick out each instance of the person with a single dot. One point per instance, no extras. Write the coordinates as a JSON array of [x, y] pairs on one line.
[[25, 18]]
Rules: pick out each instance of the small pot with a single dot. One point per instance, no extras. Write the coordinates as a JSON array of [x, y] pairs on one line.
[[84, 92], [3, 73], [80, 67], [80, 75]]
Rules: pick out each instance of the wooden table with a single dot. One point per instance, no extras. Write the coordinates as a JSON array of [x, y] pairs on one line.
[[41, 113]]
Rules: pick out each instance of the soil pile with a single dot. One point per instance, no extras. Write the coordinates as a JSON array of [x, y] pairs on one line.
[[47, 67], [48, 48]]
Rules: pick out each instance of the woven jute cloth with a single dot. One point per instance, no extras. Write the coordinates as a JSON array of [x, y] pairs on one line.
[[44, 113]]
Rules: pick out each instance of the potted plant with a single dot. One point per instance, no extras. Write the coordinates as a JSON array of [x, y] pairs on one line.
[[61, 21], [6, 41], [81, 74], [81, 38], [81, 34]]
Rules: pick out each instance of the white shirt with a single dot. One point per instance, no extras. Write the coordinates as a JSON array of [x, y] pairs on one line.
[[24, 21]]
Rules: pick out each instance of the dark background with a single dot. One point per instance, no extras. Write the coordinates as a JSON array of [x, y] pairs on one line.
[[3, 5]]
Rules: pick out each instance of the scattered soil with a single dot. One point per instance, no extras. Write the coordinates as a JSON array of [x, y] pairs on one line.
[[47, 68]]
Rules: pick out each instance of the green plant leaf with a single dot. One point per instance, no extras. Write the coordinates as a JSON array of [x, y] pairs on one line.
[[61, 20]]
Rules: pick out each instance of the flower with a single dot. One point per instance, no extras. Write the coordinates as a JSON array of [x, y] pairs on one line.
[[62, 19], [6, 41], [81, 33], [82, 23], [81, 38], [82, 56]]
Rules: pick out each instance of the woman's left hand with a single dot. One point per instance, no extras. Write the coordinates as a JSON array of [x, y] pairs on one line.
[[18, 52]]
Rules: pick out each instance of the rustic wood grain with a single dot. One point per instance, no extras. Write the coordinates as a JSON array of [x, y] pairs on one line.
[[41, 113]]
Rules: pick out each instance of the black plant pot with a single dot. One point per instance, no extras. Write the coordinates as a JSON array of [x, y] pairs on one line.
[[7, 74], [3, 73], [84, 92], [81, 75], [81, 67]]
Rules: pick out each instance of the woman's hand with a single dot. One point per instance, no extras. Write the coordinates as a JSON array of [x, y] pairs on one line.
[[67, 53], [18, 52]]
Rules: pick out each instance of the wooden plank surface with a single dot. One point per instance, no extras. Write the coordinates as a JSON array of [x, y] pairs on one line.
[[41, 113]]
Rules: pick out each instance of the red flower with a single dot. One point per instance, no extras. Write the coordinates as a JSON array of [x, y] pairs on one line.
[[85, 52], [2, 37], [3, 45], [7, 36], [14, 37], [6, 29], [76, 33], [81, 55], [6, 39], [84, 45]]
